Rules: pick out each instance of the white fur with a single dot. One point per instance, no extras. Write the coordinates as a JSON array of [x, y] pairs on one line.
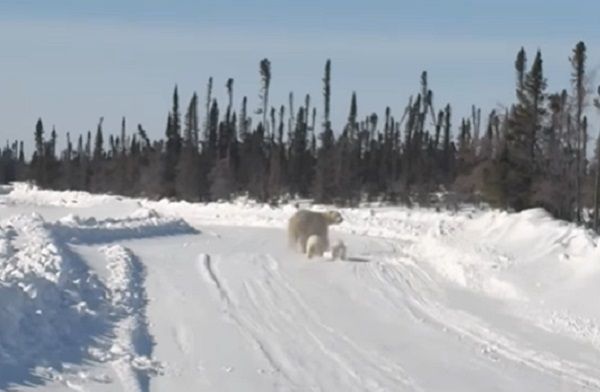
[[315, 246], [305, 223], [338, 251]]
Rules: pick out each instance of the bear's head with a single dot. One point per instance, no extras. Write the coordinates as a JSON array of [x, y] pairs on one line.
[[334, 217]]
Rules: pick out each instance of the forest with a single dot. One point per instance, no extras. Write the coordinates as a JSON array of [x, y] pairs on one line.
[[531, 154]]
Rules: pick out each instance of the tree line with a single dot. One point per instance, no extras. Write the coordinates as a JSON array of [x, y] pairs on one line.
[[530, 154]]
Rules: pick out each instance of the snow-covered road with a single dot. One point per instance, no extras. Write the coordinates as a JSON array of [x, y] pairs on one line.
[[99, 293]]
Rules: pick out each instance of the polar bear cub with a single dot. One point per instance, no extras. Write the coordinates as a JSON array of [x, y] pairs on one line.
[[315, 246], [338, 251]]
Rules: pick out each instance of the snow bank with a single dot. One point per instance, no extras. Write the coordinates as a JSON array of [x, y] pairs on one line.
[[507, 255], [142, 223], [535, 236], [237, 213], [49, 301], [54, 310], [27, 193]]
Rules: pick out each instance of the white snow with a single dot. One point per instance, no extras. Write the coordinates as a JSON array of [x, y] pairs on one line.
[[103, 293]]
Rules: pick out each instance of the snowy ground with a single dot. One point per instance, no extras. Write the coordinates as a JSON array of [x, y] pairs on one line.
[[101, 293]]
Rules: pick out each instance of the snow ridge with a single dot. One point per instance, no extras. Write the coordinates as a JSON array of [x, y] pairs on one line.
[[131, 352], [22, 192], [50, 302], [143, 223]]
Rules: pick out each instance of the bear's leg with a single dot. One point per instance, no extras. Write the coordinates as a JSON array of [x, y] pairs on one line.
[[292, 235], [292, 240], [310, 252], [303, 239], [325, 245]]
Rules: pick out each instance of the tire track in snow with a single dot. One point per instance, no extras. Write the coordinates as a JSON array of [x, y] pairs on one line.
[[408, 281], [131, 352], [207, 269], [393, 373], [211, 276], [270, 311]]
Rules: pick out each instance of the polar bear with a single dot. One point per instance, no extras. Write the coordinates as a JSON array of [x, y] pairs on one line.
[[338, 251], [315, 246], [305, 223]]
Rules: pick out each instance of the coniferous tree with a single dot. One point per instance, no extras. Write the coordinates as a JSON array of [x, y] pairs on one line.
[[175, 116], [191, 130], [298, 159], [244, 125], [213, 129], [324, 185], [38, 161], [347, 158], [327, 96], [52, 145], [278, 163], [578, 80], [291, 119], [229, 87], [170, 158], [524, 130], [39, 138], [95, 165], [123, 136], [447, 153], [144, 137], [520, 67], [265, 74], [207, 107], [99, 142], [21, 152]]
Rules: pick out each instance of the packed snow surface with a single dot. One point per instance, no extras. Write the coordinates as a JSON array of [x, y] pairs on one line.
[[103, 293]]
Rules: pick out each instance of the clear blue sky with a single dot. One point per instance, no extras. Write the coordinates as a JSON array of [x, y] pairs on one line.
[[71, 62]]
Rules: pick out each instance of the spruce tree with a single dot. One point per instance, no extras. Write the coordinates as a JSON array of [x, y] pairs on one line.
[[173, 149], [191, 129], [21, 152], [207, 107], [229, 86], [213, 129], [578, 81], [265, 74], [327, 96], [299, 162], [244, 122], [99, 142], [39, 138], [520, 67], [525, 125], [123, 136]]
